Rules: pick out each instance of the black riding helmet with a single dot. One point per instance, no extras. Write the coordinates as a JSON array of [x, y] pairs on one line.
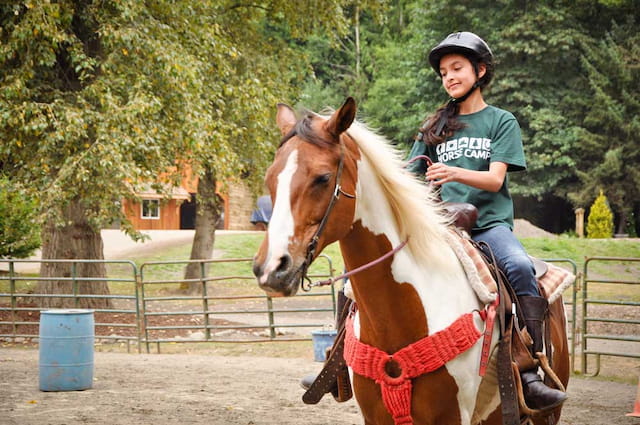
[[470, 46], [477, 51]]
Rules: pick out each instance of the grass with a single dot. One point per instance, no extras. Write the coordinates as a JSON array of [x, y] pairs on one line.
[[578, 250]]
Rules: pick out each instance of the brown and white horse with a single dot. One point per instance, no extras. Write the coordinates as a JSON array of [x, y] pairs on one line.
[[332, 179]]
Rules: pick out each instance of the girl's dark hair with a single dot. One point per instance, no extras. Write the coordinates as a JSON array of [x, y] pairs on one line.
[[431, 134]]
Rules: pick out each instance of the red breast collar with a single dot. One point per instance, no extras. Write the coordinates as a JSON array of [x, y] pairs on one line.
[[423, 356]]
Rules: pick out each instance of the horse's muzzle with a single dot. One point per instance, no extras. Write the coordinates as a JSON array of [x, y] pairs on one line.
[[281, 281]]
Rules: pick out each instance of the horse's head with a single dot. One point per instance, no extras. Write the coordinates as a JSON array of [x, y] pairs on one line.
[[309, 181]]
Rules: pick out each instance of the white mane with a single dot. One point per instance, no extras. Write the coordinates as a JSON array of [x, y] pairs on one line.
[[417, 213]]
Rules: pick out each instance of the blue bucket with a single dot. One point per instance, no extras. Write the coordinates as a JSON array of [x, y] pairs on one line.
[[66, 350], [321, 341]]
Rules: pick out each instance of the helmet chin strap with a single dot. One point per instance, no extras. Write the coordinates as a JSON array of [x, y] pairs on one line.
[[452, 108]]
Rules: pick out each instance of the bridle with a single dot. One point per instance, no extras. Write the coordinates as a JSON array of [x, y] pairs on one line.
[[313, 243], [305, 282]]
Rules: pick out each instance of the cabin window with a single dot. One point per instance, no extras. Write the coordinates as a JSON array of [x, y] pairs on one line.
[[151, 209]]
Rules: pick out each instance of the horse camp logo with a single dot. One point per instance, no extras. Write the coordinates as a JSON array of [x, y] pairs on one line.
[[469, 147]]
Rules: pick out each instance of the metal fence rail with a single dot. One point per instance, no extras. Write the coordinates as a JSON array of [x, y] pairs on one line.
[[202, 307], [603, 298], [150, 305], [19, 298], [143, 314]]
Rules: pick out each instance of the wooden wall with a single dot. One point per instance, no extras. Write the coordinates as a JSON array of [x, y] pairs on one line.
[[169, 216]]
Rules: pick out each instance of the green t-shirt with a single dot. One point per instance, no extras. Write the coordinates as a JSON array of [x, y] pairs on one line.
[[491, 134]]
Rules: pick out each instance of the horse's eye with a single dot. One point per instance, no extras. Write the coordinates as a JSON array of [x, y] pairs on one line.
[[322, 179]]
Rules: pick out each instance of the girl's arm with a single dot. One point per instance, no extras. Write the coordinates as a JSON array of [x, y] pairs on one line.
[[490, 181]]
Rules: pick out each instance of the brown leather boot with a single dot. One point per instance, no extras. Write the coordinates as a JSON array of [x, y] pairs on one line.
[[536, 393]]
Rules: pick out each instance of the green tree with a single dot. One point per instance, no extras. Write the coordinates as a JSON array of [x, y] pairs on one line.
[[610, 136], [341, 61], [600, 219], [19, 229], [403, 88], [99, 96]]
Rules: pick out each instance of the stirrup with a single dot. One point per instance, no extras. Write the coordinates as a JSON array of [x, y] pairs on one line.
[[527, 411]]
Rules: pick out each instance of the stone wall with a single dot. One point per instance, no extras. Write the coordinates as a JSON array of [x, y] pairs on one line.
[[241, 204]]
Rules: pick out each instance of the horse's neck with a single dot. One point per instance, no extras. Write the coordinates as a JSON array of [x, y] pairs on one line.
[[402, 289], [384, 304]]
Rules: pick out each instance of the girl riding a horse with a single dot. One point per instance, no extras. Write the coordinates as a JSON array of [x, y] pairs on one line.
[[473, 145]]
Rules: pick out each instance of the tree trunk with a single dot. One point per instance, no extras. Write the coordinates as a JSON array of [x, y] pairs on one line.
[[76, 240], [357, 36], [635, 219], [207, 215], [622, 223]]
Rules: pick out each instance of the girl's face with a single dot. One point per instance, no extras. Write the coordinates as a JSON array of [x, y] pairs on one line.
[[458, 75]]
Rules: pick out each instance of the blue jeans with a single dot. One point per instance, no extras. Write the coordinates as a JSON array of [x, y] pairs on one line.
[[511, 258]]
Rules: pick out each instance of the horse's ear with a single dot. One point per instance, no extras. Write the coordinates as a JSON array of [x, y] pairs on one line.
[[285, 118], [342, 119]]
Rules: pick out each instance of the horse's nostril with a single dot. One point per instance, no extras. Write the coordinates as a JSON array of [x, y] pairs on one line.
[[285, 263], [257, 269]]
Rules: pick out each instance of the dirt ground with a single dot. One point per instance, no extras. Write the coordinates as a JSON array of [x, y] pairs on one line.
[[232, 389], [163, 389]]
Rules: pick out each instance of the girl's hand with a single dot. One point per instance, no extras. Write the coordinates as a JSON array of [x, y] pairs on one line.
[[491, 180], [440, 173]]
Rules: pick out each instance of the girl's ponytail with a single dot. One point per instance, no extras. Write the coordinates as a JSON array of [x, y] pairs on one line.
[[441, 125]]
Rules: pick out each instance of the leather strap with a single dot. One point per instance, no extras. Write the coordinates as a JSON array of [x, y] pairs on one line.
[[326, 380], [506, 383], [335, 367], [547, 336], [488, 335], [506, 379]]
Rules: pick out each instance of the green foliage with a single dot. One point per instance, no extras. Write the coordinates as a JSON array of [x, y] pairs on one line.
[[19, 229], [611, 127], [97, 97], [566, 69], [600, 219], [629, 226]]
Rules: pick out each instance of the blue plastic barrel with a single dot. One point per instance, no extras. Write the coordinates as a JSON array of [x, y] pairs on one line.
[[66, 350], [322, 339]]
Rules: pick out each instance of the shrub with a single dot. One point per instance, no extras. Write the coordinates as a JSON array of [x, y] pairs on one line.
[[600, 220], [19, 230]]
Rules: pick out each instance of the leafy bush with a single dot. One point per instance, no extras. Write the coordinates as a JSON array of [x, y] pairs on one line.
[[600, 220], [19, 230]]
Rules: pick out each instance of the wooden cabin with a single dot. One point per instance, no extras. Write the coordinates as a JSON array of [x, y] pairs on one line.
[[156, 212]]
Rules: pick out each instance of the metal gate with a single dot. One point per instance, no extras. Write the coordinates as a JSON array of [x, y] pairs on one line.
[[148, 308], [242, 313], [19, 296], [599, 296]]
